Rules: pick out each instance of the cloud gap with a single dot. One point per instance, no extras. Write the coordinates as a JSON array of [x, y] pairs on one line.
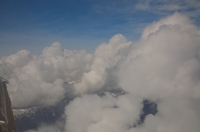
[[149, 107]]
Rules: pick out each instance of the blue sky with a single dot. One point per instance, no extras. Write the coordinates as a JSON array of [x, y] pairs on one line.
[[80, 24]]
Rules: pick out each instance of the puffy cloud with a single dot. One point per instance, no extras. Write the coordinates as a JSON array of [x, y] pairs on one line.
[[91, 113], [42, 78], [176, 20], [164, 67], [165, 63], [106, 56], [55, 66], [15, 62]]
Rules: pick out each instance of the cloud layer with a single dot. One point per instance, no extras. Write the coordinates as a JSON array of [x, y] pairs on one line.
[[163, 67]]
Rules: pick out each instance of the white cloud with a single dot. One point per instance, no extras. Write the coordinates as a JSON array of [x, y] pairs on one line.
[[91, 113], [42, 78], [164, 66], [179, 20], [106, 56], [162, 54]]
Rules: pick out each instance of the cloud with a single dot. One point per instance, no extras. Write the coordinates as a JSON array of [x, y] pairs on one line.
[[190, 7], [179, 20], [152, 6], [163, 53], [164, 67], [42, 77], [41, 80], [106, 56], [94, 113]]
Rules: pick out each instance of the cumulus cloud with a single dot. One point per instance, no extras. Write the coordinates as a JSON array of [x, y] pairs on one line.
[[165, 61], [164, 67], [39, 80], [106, 56], [94, 113], [177, 20]]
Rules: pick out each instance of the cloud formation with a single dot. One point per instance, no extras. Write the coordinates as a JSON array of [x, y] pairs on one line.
[[163, 67], [106, 56], [42, 77], [98, 114]]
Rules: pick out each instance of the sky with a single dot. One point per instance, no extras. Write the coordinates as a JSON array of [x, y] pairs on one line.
[[80, 24], [148, 50]]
